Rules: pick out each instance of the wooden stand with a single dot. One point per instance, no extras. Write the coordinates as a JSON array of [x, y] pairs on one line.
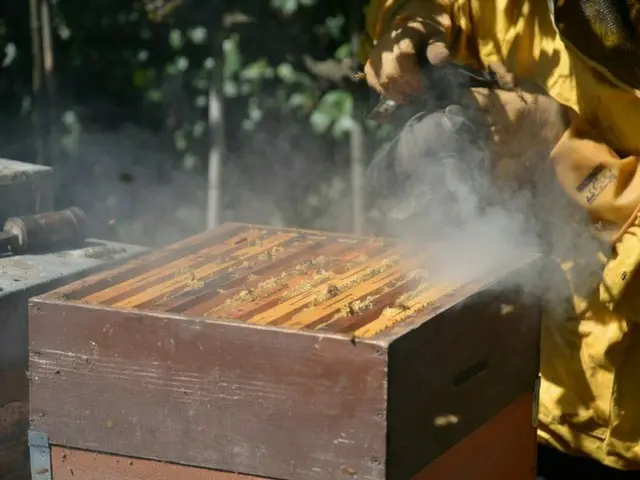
[[287, 354]]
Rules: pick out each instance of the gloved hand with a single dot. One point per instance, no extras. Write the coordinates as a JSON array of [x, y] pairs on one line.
[[416, 33]]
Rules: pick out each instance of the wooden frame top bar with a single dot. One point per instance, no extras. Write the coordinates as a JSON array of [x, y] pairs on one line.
[[276, 277]]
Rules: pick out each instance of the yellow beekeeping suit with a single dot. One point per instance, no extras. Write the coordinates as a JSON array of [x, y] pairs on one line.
[[590, 358]]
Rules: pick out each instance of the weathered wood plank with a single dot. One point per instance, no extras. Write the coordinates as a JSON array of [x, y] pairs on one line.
[[504, 447], [72, 464], [483, 355], [205, 393]]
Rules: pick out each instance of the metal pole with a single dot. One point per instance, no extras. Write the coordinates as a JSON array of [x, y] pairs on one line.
[[217, 139], [36, 80], [357, 135]]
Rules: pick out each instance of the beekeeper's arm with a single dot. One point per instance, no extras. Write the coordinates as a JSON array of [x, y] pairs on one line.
[[607, 186]]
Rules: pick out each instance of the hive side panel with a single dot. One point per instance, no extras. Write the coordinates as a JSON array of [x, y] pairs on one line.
[[456, 371], [232, 397], [72, 464], [502, 448]]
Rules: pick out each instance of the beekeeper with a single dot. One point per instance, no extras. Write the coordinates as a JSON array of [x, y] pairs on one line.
[[584, 56]]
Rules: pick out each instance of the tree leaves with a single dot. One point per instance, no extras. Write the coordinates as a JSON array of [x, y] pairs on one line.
[[286, 76], [334, 114], [232, 56], [197, 35], [176, 39], [289, 7]]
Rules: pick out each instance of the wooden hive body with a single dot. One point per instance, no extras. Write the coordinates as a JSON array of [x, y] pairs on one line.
[[280, 353]]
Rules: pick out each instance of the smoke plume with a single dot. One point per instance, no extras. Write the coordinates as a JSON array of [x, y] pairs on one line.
[[444, 191]]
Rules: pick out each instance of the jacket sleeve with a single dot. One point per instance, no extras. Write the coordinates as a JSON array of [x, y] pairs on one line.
[[621, 278], [383, 15], [607, 186], [604, 183]]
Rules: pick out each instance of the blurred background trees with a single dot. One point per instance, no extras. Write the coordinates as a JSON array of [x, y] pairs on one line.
[[161, 117]]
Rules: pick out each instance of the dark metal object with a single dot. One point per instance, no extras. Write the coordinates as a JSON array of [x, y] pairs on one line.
[[437, 158], [190, 362], [40, 454], [63, 229]]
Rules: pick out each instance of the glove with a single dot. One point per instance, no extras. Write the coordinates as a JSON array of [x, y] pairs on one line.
[[525, 125], [415, 33]]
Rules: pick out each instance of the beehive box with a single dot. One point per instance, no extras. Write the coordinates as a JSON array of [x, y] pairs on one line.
[[283, 354]]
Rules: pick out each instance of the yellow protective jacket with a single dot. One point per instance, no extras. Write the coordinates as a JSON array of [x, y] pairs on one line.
[[590, 354]]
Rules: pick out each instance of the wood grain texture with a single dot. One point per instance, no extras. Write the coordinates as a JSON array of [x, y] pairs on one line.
[[72, 464], [502, 448], [288, 278], [204, 393], [484, 355]]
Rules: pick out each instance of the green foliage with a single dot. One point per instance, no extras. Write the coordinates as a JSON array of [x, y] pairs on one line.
[[334, 113], [152, 65], [289, 7]]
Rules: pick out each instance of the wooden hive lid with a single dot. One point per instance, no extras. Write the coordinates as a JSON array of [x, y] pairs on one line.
[[286, 278]]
